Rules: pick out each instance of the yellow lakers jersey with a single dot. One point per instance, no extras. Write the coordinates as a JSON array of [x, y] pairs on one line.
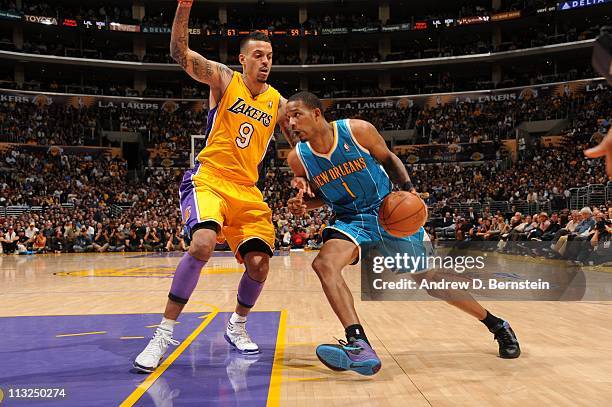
[[239, 130]]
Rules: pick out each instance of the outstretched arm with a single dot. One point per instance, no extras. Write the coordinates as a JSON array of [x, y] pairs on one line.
[[369, 138], [214, 74]]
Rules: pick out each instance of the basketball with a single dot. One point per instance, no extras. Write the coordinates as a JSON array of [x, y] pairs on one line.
[[402, 214]]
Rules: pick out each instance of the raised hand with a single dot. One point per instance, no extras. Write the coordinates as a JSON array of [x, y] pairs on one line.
[[303, 185], [296, 204]]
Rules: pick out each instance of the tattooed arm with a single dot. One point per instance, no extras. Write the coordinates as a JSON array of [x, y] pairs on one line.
[[214, 74]]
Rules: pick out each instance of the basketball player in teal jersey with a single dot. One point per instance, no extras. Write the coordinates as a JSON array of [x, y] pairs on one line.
[[352, 169]]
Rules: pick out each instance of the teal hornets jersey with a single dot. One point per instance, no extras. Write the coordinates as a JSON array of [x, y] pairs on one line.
[[348, 178]]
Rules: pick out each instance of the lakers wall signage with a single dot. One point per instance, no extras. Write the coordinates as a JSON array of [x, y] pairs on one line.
[[574, 88]]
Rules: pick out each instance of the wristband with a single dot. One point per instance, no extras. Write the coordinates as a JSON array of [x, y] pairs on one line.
[[407, 186], [185, 2]]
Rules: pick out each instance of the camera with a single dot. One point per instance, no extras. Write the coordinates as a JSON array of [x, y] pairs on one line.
[[600, 226]]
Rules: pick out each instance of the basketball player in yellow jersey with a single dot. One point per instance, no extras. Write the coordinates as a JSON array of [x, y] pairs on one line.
[[219, 196]]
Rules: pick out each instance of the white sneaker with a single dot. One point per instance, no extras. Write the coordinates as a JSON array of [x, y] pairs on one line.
[[149, 358], [237, 336]]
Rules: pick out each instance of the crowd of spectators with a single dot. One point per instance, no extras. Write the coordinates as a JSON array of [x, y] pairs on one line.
[[60, 230], [495, 120], [51, 178], [579, 236], [81, 202], [101, 12], [441, 43], [474, 121], [344, 86], [92, 206], [259, 17], [72, 191], [421, 82], [43, 124], [544, 174]]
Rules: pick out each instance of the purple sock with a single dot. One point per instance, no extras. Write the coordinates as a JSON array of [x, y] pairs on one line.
[[249, 290], [185, 278]]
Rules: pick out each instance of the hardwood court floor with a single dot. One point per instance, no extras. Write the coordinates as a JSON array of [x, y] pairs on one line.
[[432, 354]]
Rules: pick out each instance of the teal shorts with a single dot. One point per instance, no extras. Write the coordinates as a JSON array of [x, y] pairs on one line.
[[364, 230]]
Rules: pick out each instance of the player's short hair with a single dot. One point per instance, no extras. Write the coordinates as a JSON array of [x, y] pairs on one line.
[[309, 99], [254, 36]]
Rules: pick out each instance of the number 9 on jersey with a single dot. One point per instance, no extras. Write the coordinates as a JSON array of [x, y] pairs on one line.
[[244, 137]]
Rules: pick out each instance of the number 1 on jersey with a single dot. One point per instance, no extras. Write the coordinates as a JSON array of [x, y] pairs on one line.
[[348, 190], [244, 137]]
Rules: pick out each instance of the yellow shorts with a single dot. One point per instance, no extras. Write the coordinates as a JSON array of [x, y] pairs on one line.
[[238, 209]]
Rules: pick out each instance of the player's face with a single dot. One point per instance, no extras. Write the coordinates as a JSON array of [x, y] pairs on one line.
[[302, 119], [256, 60]]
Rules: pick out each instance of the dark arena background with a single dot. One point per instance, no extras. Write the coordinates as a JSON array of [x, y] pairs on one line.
[[489, 104]]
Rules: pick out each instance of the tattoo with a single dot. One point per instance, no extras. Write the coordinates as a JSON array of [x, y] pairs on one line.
[[224, 70], [181, 59], [202, 68], [209, 70], [195, 65], [179, 43]]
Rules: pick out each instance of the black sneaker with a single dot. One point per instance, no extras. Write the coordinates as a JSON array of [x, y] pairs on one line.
[[508, 344]]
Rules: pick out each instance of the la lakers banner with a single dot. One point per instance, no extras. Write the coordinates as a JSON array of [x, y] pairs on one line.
[[79, 101], [574, 88], [441, 153]]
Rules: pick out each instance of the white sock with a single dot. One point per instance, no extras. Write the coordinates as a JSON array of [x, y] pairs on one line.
[[235, 318], [167, 324]]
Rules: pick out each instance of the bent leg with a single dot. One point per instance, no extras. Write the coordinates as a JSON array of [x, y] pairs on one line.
[[334, 255]]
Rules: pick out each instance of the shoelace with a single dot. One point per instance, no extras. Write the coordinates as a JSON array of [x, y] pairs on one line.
[[504, 335], [159, 341], [348, 345], [242, 336]]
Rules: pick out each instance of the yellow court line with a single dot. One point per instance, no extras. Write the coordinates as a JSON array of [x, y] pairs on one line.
[[81, 334], [148, 382], [132, 337], [277, 366]]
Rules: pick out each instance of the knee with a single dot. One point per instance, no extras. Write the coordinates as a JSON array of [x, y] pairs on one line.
[[202, 247], [258, 266], [322, 267]]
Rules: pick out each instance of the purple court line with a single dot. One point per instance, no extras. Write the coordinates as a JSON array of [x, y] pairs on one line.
[[95, 370], [211, 373]]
